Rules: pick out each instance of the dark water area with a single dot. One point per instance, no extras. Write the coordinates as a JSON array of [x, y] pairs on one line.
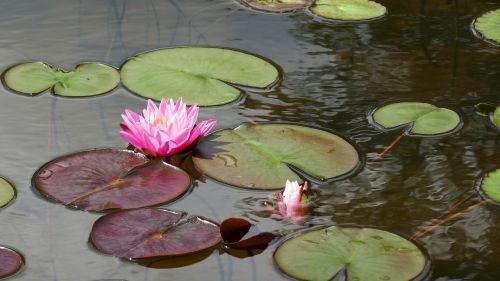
[[334, 75]]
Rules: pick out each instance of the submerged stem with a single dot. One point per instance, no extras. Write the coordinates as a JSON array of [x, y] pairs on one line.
[[419, 234], [389, 147]]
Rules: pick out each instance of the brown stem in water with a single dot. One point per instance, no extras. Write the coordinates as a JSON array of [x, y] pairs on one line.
[[419, 234], [381, 154], [463, 200]]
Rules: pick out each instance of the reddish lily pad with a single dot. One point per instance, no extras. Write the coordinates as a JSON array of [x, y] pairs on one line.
[[103, 179], [276, 6], [233, 230], [10, 262], [148, 232]]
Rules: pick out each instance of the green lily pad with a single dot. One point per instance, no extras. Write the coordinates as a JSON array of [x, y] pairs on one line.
[[88, 79], [488, 26], [422, 118], [7, 192], [200, 75], [276, 6], [351, 254], [348, 10], [490, 185], [264, 156], [495, 117]]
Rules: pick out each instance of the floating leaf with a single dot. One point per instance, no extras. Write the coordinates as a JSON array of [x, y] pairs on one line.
[[233, 230], [10, 262], [148, 232], [7, 192], [348, 10], [277, 6], [495, 117], [490, 185], [201, 75], [104, 179], [264, 156], [348, 253], [488, 26], [425, 119], [88, 79]]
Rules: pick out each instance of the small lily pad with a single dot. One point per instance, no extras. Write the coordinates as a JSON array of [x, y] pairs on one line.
[[488, 26], [10, 262], [348, 10], [88, 79], [495, 117], [200, 75], [233, 230], [264, 156], [276, 6], [351, 254], [422, 119], [490, 186], [103, 179], [148, 232], [7, 192]]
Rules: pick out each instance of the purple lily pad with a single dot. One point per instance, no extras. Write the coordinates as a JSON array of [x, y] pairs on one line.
[[10, 262], [148, 232], [104, 179]]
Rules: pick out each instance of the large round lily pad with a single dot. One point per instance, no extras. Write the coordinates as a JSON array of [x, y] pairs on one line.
[[277, 6], [10, 262], [424, 119], [104, 179], [7, 192], [88, 79], [264, 156], [351, 254], [348, 10], [148, 232], [200, 75], [488, 26], [490, 185]]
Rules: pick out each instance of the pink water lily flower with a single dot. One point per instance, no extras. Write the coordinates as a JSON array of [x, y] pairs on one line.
[[292, 203], [165, 130]]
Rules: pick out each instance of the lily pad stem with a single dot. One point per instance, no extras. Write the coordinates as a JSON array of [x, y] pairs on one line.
[[389, 147]]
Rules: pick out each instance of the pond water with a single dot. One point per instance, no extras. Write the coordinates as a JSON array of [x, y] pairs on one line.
[[334, 74]]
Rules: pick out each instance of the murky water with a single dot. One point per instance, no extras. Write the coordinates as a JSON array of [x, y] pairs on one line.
[[423, 51]]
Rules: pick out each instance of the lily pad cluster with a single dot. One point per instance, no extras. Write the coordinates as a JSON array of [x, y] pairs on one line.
[[201, 75], [337, 10], [418, 119], [487, 26]]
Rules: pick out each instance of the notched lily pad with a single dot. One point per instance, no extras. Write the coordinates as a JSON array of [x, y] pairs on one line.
[[487, 26], [422, 119], [276, 6], [10, 262], [103, 179], [264, 156], [7, 192], [233, 230], [148, 232], [351, 254], [489, 186], [348, 10], [200, 75], [88, 79]]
